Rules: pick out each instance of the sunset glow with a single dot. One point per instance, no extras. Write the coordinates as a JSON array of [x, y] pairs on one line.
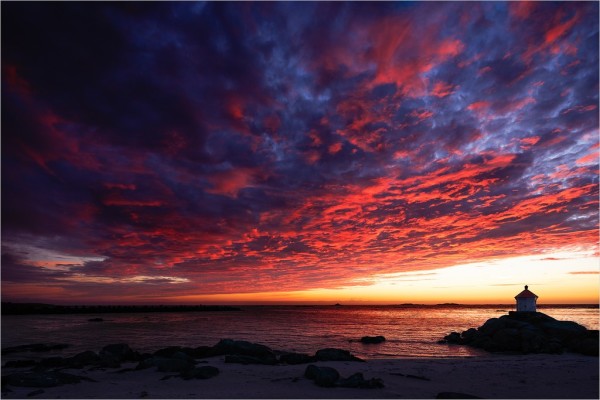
[[285, 152]]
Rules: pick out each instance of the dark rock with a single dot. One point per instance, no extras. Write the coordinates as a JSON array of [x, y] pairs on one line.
[[563, 330], [121, 351], [19, 364], [109, 360], [552, 346], [528, 332], [83, 359], [491, 326], [531, 341], [357, 380], [52, 362], [95, 320], [242, 359], [242, 347], [295, 358], [43, 379], [203, 352], [167, 352], [36, 348], [507, 339], [455, 395], [454, 338], [372, 339], [323, 376], [204, 372], [468, 335], [586, 346], [180, 355], [331, 354]]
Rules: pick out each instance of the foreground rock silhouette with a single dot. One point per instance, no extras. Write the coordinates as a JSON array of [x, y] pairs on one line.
[[330, 377], [172, 359], [528, 332]]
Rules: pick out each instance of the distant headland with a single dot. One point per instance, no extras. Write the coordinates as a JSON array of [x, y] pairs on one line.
[[9, 308]]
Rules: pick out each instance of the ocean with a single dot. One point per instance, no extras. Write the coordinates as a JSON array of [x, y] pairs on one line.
[[410, 331]]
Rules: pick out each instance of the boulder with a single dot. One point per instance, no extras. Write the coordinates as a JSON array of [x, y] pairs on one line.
[[83, 359], [491, 326], [121, 351], [203, 352], [563, 330], [323, 376], [468, 335], [52, 362], [167, 352], [454, 338], [332, 354], [357, 380], [242, 359], [242, 347], [295, 358], [587, 346], [372, 339], [507, 339]]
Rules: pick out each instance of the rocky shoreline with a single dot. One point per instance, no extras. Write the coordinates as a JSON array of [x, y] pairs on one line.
[[528, 333], [241, 369], [183, 361]]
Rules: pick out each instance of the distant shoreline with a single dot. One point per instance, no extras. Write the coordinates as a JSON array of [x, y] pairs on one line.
[[40, 308], [11, 308]]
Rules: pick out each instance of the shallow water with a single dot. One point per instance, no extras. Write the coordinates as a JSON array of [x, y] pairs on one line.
[[410, 331]]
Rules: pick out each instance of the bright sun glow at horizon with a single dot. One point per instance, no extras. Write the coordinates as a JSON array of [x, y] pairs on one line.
[[491, 282]]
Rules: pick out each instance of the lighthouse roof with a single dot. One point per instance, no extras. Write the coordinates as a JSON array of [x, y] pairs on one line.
[[526, 293]]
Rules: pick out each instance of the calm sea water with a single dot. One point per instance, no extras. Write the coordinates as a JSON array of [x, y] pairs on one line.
[[410, 331]]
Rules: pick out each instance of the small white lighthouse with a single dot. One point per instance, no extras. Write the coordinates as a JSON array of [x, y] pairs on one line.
[[526, 301]]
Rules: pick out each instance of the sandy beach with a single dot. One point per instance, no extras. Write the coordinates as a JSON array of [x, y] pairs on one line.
[[495, 376]]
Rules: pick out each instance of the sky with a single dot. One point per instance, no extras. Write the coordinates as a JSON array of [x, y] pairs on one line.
[[283, 152]]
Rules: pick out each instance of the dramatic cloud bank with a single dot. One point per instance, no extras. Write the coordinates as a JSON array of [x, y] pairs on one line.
[[161, 149]]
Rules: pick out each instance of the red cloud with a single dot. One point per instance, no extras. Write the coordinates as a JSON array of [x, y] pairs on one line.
[[230, 182], [441, 89]]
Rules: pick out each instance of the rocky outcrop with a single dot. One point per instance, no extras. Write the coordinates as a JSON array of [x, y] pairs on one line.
[[323, 376], [330, 377], [243, 352], [112, 355], [372, 339], [296, 358], [332, 354], [528, 332]]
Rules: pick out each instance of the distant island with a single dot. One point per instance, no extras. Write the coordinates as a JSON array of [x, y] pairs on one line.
[[9, 308]]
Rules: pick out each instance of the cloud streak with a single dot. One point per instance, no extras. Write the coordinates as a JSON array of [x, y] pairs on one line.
[[222, 148]]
